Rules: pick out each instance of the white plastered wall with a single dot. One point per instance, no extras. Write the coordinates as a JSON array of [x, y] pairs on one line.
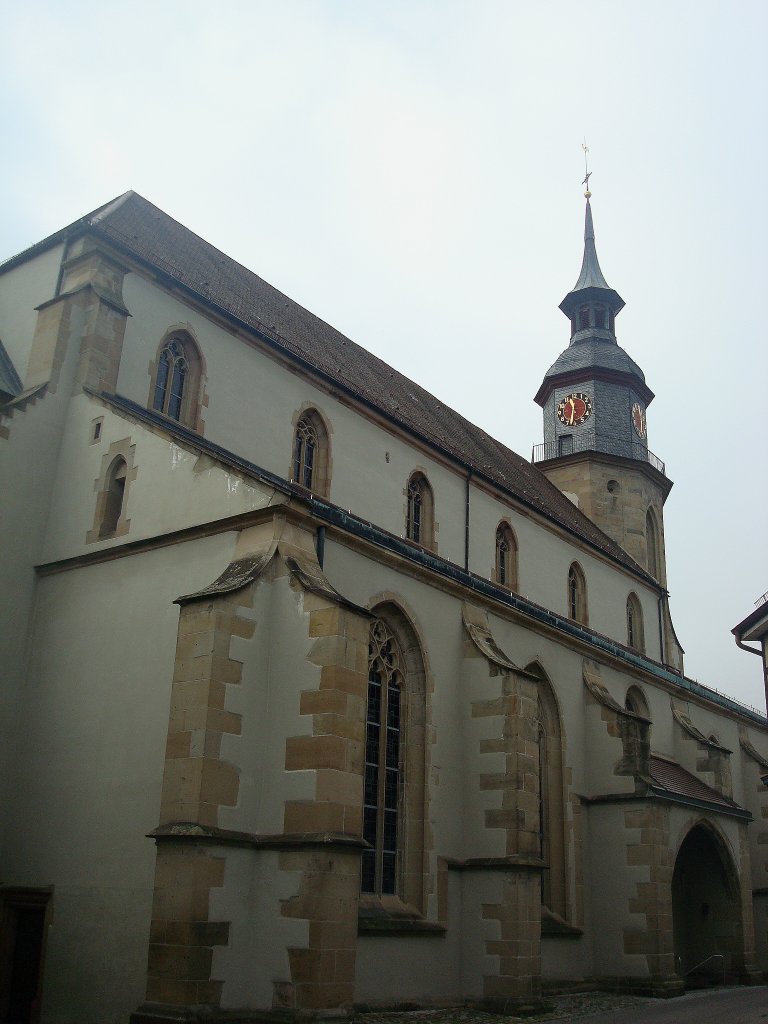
[[174, 488], [92, 732], [22, 289], [370, 465]]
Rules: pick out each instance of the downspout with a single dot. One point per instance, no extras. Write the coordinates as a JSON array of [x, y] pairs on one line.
[[320, 545], [761, 654], [662, 648], [466, 524]]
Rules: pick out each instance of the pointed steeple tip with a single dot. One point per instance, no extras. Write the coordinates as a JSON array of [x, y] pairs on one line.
[[590, 281]]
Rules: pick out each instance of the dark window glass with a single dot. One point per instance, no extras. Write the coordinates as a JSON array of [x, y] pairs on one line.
[[415, 511], [381, 807], [305, 447], [170, 378]]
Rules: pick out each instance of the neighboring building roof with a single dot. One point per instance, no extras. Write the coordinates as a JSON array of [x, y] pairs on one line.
[[755, 625], [671, 778], [136, 226]]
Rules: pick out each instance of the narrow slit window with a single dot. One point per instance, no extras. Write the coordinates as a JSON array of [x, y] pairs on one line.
[[635, 637], [577, 594]]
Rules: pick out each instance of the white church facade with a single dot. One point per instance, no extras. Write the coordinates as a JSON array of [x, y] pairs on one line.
[[315, 694]]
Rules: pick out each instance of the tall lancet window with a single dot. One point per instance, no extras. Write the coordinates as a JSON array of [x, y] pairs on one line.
[[114, 496], [172, 370], [635, 636], [383, 762], [176, 379], [577, 594], [304, 453], [651, 544], [506, 557], [419, 522]]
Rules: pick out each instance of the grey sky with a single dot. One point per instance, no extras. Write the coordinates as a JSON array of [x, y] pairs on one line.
[[411, 173]]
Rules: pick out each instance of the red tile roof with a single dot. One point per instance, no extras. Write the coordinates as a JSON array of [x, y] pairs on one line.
[[674, 779]]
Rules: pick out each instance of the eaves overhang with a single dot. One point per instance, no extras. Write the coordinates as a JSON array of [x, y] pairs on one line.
[[578, 376], [731, 810], [755, 626]]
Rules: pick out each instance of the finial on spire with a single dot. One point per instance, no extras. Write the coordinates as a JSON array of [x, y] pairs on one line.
[[588, 173]]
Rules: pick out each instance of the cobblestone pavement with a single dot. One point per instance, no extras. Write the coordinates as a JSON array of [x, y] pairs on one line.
[[564, 1008]]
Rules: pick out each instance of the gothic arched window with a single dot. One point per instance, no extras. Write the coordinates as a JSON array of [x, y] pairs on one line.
[[636, 703], [176, 379], [577, 594], [304, 452], [506, 557], [311, 461], [635, 637], [395, 763], [113, 496], [420, 523], [551, 796], [651, 544], [383, 762]]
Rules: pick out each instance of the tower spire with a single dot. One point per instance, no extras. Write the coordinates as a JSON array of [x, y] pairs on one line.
[[591, 284]]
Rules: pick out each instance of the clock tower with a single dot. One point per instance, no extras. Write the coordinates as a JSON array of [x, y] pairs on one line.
[[595, 398]]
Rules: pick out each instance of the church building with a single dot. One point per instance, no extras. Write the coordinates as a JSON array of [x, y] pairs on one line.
[[316, 696]]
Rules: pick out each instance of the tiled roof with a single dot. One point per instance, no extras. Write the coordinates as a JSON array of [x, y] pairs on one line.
[[674, 779], [135, 225]]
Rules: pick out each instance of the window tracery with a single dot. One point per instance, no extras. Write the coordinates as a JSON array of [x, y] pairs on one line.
[[175, 388], [506, 557], [383, 762], [304, 450], [310, 459], [419, 524]]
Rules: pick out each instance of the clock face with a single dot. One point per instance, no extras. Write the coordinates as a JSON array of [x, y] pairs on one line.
[[638, 419], [574, 409]]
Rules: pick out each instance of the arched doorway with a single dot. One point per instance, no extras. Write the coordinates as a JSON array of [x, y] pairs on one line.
[[706, 910]]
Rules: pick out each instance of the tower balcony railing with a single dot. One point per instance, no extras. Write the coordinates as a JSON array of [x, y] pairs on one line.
[[588, 441]]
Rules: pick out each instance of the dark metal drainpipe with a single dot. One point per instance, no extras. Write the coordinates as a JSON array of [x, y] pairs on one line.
[[761, 654], [466, 525], [320, 545], [662, 651]]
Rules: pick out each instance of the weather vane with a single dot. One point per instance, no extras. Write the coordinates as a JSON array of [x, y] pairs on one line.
[[588, 173]]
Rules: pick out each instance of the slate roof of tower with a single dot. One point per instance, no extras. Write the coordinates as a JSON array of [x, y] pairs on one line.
[[594, 353], [135, 225]]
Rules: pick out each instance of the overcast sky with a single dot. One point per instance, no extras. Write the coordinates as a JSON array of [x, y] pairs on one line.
[[411, 172]]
